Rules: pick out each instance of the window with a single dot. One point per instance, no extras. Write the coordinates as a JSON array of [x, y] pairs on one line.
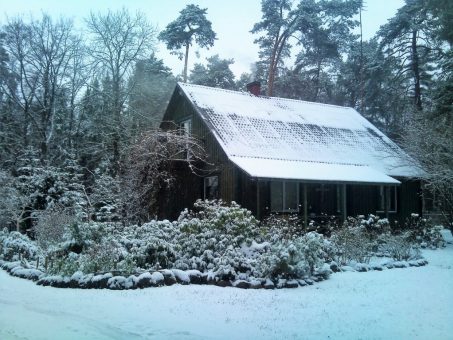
[[284, 196], [392, 203], [211, 187], [185, 129]]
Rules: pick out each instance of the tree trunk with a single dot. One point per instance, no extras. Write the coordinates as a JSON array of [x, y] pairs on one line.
[[186, 59], [318, 75], [416, 71], [272, 68]]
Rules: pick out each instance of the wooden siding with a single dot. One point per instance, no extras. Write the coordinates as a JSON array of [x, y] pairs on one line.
[[410, 199], [189, 186]]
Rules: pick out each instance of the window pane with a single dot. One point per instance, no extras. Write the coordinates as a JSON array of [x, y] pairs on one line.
[[291, 196], [211, 187], [185, 127], [276, 196], [392, 198], [381, 199]]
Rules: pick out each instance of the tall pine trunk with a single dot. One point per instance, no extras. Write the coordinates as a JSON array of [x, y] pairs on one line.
[[416, 72], [186, 59]]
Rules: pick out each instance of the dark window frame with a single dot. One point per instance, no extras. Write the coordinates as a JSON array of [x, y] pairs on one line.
[[393, 198], [205, 180], [284, 207]]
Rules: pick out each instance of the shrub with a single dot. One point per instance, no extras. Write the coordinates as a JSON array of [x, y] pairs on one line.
[[352, 244], [151, 245], [399, 247], [50, 229], [213, 236], [282, 227], [422, 231], [293, 258], [15, 244]]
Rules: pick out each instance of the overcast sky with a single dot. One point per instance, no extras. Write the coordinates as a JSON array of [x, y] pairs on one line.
[[231, 20]]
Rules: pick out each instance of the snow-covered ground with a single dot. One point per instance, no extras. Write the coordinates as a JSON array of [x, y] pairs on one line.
[[410, 303]]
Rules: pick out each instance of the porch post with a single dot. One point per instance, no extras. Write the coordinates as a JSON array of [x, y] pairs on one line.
[[386, 201], [305, 205], [345, 213], [258, 212]]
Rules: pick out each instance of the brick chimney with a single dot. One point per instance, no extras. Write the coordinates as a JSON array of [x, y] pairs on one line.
[[254, 88]]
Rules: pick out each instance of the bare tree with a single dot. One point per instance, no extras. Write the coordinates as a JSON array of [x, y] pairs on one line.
[[431, 142], [149, 168], [118, 40], [41, 52]]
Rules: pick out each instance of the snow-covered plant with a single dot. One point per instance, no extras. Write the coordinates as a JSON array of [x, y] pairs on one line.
[[66, 265], [51, 226], [151, 245], [101, 257], [12, 203], [3, 235], [229, 219], [105, 197], [423, 231], [313, 247], [284, 259], [16, 245], [293, 258], [399, 247], [213, 234], [352, 244], [280, 227], [47, 186]]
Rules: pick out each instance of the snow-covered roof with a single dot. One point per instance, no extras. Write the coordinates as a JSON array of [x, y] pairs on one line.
[[271, 137]]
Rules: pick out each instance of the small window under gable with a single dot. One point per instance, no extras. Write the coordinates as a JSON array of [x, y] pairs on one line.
[[211, 187], [284, 196], [185, 127]]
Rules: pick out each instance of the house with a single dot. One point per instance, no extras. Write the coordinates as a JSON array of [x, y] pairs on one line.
[[275, 155]]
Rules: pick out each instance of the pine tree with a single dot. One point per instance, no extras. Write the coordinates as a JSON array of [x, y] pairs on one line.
[[191, 26], [217, 73]]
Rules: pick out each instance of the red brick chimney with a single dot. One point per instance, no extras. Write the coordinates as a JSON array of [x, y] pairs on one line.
[[254, 88]]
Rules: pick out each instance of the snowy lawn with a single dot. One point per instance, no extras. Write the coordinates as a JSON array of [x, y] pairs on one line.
[[410, 303]]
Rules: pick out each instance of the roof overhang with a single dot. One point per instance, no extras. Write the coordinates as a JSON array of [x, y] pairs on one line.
[[311, 171]]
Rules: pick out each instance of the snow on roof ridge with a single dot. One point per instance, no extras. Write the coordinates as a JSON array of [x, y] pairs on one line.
[[297, 160], [245, 93]]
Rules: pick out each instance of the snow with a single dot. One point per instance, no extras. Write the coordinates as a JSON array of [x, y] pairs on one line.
[[408, 303], [300, 170], [250, 128]]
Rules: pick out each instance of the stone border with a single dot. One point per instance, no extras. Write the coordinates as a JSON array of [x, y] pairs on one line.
[[167, 277]]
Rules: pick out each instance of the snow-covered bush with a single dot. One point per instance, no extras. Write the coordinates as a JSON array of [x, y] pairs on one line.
[[212, 237], [423, 231], [399, 247], [104, 257], [151, 245], [105, 197], [15, 245], [351, 243], [293, 258], [50, 229], [64, 265], [282, 227]]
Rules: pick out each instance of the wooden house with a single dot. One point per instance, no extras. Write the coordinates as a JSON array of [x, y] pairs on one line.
[[275, 155]]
